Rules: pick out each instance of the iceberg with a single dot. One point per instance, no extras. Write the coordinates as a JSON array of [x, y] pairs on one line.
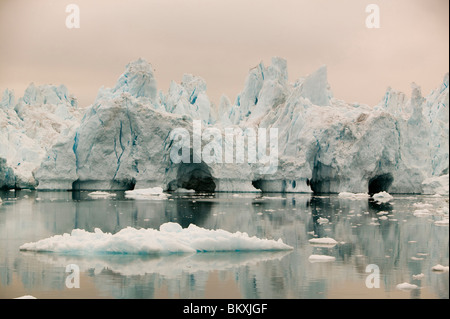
[[123, 140], [42, 118], [170, 238]]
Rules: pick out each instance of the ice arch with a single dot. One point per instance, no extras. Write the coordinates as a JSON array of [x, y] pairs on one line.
[[196, 176], [380, 183]]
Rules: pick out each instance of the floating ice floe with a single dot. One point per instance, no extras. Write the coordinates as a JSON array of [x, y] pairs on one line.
[[382, 197], [439, 268], [147, 193], [184, 190], [418, 276], [422, 205], [99, 194], [406, 286], [323, 241], [322, 220], [321, 258], [353, 196], [26, 297], [443, 222], [422, 213], [170, 238]]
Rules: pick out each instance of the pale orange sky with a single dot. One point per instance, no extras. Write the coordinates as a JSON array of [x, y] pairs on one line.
[[220, 40]]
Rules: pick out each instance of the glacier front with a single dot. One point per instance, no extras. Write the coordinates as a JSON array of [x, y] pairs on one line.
[[123, 140]]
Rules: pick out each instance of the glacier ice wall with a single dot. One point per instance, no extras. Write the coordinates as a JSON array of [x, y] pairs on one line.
[[30, 128], [122, 141]]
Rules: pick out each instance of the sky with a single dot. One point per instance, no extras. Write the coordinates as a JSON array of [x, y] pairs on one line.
[[221, 40]]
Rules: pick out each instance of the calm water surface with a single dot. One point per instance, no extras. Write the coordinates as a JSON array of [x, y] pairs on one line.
[[400, 244]]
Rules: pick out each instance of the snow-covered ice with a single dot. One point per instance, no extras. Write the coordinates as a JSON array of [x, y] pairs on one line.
[[170, 238]]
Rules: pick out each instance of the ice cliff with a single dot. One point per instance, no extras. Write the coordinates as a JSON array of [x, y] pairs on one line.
[[29, 128], [324, 144]]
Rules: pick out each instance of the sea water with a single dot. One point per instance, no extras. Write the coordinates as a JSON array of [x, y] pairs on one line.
[[375, 243]]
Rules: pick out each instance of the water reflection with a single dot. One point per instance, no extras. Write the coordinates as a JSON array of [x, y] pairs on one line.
[[386, 234]]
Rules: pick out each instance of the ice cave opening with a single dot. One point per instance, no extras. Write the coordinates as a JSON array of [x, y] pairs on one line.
[[196, 176], [257, 184], [380, 183]]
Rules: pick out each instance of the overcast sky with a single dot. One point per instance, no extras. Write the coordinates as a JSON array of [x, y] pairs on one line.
[[220, 40]]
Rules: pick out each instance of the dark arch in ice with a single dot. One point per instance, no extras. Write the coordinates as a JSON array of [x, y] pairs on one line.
[[196, 176], [380, 183], [257, 184]]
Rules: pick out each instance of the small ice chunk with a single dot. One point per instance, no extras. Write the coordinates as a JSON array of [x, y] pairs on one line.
[[353, 196], [323, 241], [439, 268], [26, 297], [321, 258], [416, 258], [184, 190], [421, 213], [322, 220], [146, 193], [99, 194], [406, 286], [418, 276], [382, 197], [422, 205], [443, 222]]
